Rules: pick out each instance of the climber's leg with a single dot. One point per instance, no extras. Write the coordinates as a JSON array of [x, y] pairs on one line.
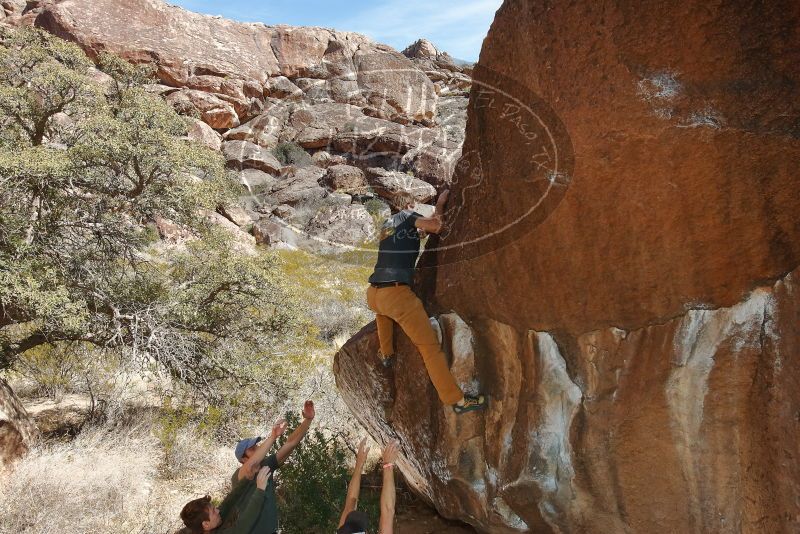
[[385, 325], [402, 305], [385, 335]]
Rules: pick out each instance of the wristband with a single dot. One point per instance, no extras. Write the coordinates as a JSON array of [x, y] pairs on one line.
[[388, 465]]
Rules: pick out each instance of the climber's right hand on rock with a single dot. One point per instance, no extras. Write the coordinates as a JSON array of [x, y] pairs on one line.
[[442, 200]]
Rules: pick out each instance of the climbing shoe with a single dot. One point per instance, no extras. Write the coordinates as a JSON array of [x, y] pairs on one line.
[[470, 404], [387, 361], [437, 327]]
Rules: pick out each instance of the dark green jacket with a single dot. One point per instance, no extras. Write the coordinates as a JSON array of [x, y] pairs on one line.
[[239, 499], [247, 515]]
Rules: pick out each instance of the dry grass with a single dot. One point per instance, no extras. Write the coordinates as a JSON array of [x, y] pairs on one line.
[[124, 478], [110, 481]]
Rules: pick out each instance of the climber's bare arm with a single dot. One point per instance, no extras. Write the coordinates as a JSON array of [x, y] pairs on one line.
[[294, 439], [434, 224]]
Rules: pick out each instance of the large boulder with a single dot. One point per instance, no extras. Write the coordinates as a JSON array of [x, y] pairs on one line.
[[315, 126], [346, 178], [265, 129], [390, 184], [379, 142], [17, 431], [230, 87], [281, 87], [421, 49], [622, 248], [256, 181], [394, 86], [323, 158], [239, 239], [300, 186], [247, 155], [213, 110], [202, 133], [340, 226], [275, 233], [189, 49]]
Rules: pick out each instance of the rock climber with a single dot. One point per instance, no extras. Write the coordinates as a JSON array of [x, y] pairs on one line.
[[354, 521], [391, 298]]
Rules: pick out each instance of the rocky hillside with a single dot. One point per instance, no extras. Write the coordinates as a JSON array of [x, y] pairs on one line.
[[322, 127], [316, 121], [620, 276]]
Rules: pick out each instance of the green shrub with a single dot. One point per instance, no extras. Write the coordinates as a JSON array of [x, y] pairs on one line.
[[292, 154], [313, 484], [376, 206], [83, 270], [187, 431]]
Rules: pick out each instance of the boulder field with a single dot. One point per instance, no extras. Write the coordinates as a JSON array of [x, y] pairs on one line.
[[619, 275], [313, 97], [236, 61]]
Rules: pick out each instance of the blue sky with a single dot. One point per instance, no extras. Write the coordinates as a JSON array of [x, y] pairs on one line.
[[455, 27]]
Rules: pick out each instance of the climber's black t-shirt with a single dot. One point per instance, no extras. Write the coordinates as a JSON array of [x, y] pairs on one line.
[[398, 249]]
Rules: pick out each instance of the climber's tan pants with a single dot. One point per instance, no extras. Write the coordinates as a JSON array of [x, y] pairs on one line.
[[399, 304]]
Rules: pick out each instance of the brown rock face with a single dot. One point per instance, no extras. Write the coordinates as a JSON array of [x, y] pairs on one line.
[[659, 429], [17, 430], [247, 155], [621, 275], [684, 187], [346, 178], [390, 184], [235, 59], [202, 133], [214, 111]]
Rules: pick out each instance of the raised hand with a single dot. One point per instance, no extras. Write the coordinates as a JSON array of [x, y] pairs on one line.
[[361, 455], [390, 452], [263, 478], [279, 428], [309, 411]]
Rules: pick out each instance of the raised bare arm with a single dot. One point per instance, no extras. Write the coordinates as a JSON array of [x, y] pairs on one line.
[[253, 464], [354, 488], [386, 525], [298, 434]]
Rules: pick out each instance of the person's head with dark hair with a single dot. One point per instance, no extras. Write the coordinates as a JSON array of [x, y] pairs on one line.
[[200, 515], [356, 522]]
